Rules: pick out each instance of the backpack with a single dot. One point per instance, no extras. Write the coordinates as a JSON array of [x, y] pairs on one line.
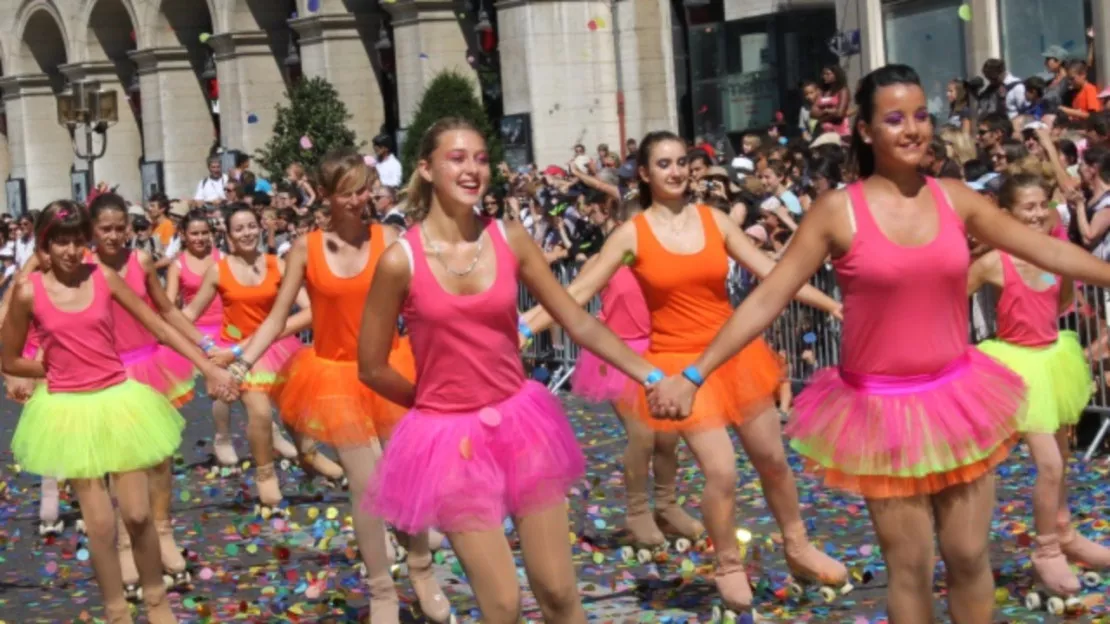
[[993, 100]]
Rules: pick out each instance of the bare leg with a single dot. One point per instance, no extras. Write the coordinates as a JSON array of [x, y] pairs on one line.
[[547, 561], [359, 462], [132, 493], [222, 447], [491, 571], [161, 497], [904, 527], [670, 516], [637, 462], [260, 438], [963, 514], [1076, 548], [100, 526]]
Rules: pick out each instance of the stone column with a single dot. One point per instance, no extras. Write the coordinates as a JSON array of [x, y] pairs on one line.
[[983, 34], [5, 166], [561, 71], [251, 83], [427, 39], [124, 150], [339, 48], [867, 17], [41, 151], [1101, 23], [646, 67], [177, 119]]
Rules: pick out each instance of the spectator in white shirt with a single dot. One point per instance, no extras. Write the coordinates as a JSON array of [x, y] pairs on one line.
[[24, 241], [389, 168], [210, 190]]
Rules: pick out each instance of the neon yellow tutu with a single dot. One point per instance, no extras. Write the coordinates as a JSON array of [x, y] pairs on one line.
[[1057, 378], [86, 435]]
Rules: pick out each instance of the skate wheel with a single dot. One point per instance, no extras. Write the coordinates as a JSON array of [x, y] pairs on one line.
[[847, 589], [1090, 580], [730, 617], [627, 554], [682, 545], [795, 590], [285, 464], [644, 556], [1073, 605], [1054, 605], [167, 580], [402, 554], [361, 567], [718, 615], [1033, 601], [80, 526], [828, 594]]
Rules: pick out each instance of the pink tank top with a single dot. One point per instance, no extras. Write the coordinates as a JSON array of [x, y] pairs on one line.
[[129, 332], [1027, 317], [78, 347], [465, 347], [905, 308], [623, 307], [213, 315]]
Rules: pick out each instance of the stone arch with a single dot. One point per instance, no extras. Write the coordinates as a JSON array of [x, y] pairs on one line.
[[43, 42], [174, 23], [105, 29]]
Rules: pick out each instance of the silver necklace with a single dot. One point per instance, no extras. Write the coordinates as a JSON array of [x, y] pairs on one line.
[[435, 251]]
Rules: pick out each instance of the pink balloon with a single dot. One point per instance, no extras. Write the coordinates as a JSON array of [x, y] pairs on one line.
[[306, 143]]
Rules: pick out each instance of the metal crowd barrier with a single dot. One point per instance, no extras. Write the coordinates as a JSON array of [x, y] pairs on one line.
[[808, 340]]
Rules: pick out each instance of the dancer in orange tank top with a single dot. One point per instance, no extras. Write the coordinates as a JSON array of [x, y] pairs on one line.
[[680, 257], [247, 283], [321, 395]]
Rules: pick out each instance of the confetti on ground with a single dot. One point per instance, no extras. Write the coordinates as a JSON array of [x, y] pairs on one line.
[[305, 569]]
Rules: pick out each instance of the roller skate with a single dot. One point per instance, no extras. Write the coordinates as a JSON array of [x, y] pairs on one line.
[[158, 610], [734, 588], [269, 493], [433, 604], [394, 551], [673, 521], [643, 537], [384, 606], [1059, 584], [50, 525], [809, 566], [315, 463], [177, 575], [132, 589], [1086, 554], [226, 457], [283, 447]]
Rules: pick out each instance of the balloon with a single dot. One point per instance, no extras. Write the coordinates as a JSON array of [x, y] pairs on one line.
[[964, 12]]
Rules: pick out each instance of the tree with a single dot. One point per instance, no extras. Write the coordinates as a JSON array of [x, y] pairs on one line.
[[450, 94], [310, 124]]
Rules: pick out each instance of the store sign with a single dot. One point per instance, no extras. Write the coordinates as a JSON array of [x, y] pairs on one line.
[[750, 99], [845, 44]]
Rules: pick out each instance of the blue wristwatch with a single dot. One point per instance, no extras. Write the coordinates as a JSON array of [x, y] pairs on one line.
[[653, 377], [237, 351], [691, 373]]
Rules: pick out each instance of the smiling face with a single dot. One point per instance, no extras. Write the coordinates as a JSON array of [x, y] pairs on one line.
[[198, 237], [1030, 206], [666, 172], [243, 230], [900, 129], [458, 168]]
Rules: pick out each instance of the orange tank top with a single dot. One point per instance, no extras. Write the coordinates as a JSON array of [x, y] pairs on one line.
[[337, 302], [685, 293], [245, 307]]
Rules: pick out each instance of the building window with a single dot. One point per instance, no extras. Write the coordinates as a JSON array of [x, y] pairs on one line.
[[929, 36], [1028, 27]]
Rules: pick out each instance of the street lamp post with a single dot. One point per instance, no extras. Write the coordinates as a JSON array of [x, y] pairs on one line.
[[84, 104]]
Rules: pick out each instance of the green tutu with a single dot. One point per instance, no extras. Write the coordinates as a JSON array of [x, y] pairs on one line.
[[1057, 378], [86, 435]]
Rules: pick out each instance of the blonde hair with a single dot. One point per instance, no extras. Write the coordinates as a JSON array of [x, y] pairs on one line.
[[344, 171], [960, 146], [419, 191], [1032, 166]]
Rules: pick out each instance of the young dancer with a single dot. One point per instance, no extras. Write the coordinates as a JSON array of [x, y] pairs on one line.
[[321, 397], [625, 312], [89, 420], [480, 443], [914, 419], [184, 278], [1052, 364], [247, 283], [680, 256]]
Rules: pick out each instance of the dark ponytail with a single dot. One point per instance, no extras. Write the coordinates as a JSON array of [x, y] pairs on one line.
[[643, 160], [862, 156]]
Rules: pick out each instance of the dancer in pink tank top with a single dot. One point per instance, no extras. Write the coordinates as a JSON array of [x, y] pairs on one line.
[[480, 443], [1055, 371], [625, 311], [89, 420], [914, 419]]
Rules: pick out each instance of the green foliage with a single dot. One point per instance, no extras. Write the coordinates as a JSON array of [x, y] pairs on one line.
[[313, 110], [450, 94]]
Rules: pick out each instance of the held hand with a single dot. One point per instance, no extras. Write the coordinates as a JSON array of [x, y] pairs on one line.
[[19, 389], [838, 312], [674, 397], [222, 385], [222, 357]]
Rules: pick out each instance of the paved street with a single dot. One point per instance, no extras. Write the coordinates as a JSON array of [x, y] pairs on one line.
[[304, 570]]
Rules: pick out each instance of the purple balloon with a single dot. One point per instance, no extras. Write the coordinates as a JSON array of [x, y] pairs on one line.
[[252, 118], [313, 5]]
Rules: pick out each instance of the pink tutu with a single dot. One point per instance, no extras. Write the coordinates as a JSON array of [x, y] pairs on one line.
[[595, 380], [266, 372], [162, 368], [887, 437], [469, 471]]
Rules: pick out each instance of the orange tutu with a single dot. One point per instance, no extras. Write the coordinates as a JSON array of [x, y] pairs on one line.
[[324, 399], [741, 388]]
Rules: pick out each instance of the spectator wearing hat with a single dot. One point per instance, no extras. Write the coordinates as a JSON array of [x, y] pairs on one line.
[[1055, 75]]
